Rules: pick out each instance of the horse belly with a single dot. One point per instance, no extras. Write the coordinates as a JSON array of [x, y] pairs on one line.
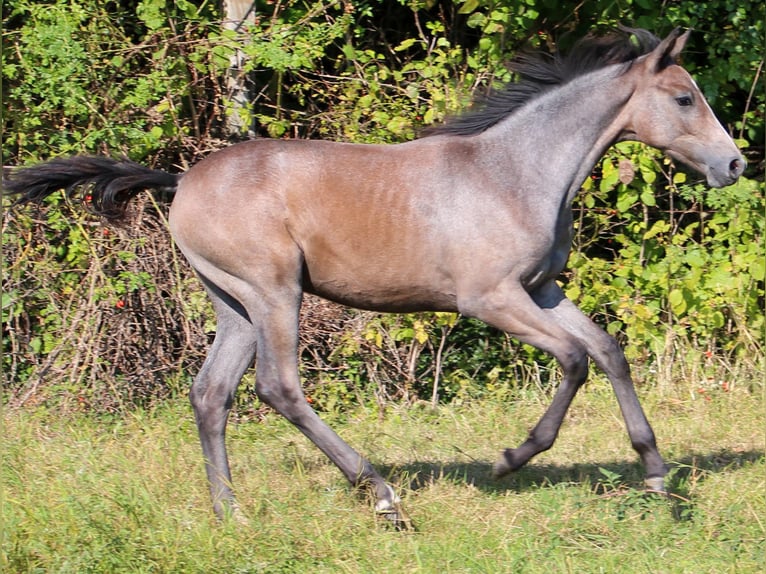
[[377, 276], [406, 300]]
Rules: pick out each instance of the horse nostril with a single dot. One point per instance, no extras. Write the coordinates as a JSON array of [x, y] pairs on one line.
[[736, 167]]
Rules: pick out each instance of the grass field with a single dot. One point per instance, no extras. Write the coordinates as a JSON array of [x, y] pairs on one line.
[[87, 495]]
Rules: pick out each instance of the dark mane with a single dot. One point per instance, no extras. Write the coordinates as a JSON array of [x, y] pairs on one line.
[[540, 72]]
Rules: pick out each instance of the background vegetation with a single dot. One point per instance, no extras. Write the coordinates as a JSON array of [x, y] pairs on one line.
[[101, 318]]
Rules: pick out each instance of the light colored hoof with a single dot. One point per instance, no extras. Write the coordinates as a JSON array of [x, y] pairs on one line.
[[231, 512], [500, 469], [655, 484], [397, 516], [391, 509], [236, 515]]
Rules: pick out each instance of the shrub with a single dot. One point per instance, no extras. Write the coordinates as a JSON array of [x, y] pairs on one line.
[[114, 317]]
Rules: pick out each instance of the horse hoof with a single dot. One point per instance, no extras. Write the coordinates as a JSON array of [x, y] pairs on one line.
[[655, 484], [391, 509], [398, 517], [231, 512], [505, 464]]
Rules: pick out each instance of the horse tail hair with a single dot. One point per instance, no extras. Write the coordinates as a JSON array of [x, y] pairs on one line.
[[105, 185]]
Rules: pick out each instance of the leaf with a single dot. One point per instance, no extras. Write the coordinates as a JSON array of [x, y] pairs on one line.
[[614, 327], [402, 334], [648, 175], [647, 196], [626, 200], [7, 300], [758, 270], [612, 477], [446, 318], [695, 258], [648, 168], [420, 333], [468, 7], [610, 175], [163, 106], [717, 319], [573, 292], [658, 227], [677, 301], [405, 45], [349, 52]]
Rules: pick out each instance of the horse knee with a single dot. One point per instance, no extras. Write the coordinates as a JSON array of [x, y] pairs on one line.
[[266, 391]]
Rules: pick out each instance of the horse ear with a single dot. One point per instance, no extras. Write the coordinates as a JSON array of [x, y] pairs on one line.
[[668, 51]]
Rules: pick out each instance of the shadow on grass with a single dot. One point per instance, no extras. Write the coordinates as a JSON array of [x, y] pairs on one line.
[[695, 467], [612, 476]]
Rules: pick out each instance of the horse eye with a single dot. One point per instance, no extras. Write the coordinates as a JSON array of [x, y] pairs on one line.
[[684, 101]]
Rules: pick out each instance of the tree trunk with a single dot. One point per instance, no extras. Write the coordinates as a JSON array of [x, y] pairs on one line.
[[238, 15]]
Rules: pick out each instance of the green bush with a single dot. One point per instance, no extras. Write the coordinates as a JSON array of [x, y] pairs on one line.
[[109, 318]]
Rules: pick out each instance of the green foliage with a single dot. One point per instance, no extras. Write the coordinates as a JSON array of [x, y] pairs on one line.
[[660, 261], [85, 303], [88, 77], [670, 258]]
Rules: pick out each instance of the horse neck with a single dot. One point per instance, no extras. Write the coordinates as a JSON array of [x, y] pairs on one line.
[[552, 144]]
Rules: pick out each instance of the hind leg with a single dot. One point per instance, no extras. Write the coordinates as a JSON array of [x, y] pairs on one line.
[[212, 394], [278, 385]]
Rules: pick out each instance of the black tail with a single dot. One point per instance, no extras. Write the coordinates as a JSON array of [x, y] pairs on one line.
[[108, 184]]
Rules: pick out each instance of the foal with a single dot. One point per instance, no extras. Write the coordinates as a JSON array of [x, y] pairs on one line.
[[475, 218]]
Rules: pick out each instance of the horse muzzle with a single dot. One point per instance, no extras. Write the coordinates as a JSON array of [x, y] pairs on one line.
[[720, 171], [727, 173]]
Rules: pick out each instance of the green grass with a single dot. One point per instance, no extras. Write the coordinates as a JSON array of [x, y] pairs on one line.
[[87, 495]]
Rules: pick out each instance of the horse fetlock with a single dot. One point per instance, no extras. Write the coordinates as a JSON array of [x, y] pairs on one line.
[[388, 501], [655, 484]]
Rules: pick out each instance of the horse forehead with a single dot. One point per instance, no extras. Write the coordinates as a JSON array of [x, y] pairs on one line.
[[676, 78]]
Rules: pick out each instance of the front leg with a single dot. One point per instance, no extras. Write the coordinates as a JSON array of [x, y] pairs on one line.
[[549, 321], [610, 358]]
